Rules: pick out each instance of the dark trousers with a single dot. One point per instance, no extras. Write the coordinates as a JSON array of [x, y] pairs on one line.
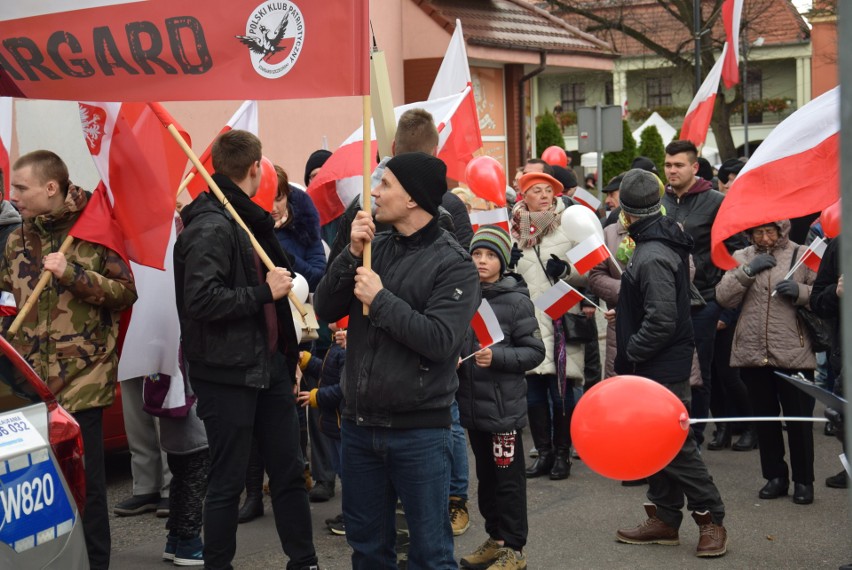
[[770, 395], [96, 516], [232, 415], [187, 491], [704, 327], [502, 485], [728, 394], [686, 475]]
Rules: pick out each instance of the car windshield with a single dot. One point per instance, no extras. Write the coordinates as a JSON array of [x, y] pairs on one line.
[[15, 390]]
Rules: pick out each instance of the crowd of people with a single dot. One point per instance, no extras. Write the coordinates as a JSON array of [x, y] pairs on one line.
[[395, 386]]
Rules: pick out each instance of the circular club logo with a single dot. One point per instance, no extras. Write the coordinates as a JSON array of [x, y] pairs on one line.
[[275, 34]]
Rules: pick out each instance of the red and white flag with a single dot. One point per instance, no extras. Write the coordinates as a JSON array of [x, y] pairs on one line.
[[770, 187], [732, 11], [459, 136], [588, 253], [557, 300], [486, 326], [245, 119], [495, 217], [5, 142], [586, 198], [697, 119], [140, 167], [814, 254], [8, 307]]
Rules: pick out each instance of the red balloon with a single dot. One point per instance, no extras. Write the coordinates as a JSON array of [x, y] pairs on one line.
[[830, 220], [485, 178], [268, 185], [555, 156], [628, 427]]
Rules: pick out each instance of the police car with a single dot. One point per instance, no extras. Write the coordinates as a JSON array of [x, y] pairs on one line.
[[42, 481]]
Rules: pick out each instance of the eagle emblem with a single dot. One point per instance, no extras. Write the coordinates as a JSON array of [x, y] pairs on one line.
[[267, 44]]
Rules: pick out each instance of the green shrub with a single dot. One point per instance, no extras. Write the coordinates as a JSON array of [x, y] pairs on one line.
[[547, 133], [651, 145]]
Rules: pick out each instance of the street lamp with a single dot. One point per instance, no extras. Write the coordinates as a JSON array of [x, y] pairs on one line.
[[746, 46]]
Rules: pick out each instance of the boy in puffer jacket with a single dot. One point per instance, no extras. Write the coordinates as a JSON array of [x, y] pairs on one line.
[[493, 406]]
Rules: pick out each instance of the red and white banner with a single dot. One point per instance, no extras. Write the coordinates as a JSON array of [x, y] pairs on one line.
[[8, 307], [586, 198], [485, 326], [732, 11], [5, 141], [771, 187], [140, 166], [557, 300], [588, 253], [162, 50], [459, 136], [697, 119], [814, 254], [245, 119], [495, 217]]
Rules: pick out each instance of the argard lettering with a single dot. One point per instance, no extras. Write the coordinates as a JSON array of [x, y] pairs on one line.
[[177, 46]]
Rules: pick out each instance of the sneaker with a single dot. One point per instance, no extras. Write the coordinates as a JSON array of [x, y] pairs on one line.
[[459, 517], [163, 508], [189, 552], [839, 481], [509, 559], [652, 531], [137, 505], [335, 520], [171, 547], [712, 539], [483, 556], [337, 528], [533, 453], [322, 491]]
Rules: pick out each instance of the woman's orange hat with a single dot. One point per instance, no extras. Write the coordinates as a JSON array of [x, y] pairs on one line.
[[533, 178]]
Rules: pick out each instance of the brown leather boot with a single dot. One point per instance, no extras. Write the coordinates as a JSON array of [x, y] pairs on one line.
[[652, 531], [713, 538]]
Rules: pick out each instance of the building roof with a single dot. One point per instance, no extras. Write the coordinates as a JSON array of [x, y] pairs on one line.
[[777, 21], [514, 25]]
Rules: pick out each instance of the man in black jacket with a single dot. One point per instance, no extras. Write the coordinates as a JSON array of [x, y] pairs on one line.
[[400, 380], [654, 339], [240, 350]]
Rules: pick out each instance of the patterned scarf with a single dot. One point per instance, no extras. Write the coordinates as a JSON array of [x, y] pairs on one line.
[[528, 228]]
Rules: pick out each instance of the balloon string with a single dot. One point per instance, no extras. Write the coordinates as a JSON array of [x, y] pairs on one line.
[[757, 419]]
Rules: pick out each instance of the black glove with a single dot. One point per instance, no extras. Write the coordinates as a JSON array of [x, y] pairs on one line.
[[515, 256], [555, 267], [788, 288], [760, 263]]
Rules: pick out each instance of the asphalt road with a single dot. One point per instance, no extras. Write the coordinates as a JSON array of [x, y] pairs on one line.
[[573, 523]]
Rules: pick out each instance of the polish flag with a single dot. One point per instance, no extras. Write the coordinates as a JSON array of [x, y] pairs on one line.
[[814, 254], [697, 119], [140, 167], [245, 119], [586, 198], [5, 141], [588, 253], [495, 217], [557, 300], [8, 308], [771, 185], [732, 11], [452, 105], [486, 326]]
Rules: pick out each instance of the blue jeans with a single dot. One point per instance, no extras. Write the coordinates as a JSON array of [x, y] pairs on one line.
[[459, 467], [381, 464]]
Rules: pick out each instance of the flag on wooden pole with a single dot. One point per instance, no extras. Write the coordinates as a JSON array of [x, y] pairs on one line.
[[588, 253], [557, 300]]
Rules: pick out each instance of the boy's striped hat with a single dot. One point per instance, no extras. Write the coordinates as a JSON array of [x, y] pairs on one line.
[[497, 240]]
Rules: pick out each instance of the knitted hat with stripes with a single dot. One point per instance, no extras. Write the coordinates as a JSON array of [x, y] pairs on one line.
[[497, 240]]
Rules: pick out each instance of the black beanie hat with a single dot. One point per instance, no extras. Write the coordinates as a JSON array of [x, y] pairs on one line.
[[705, 170], [423, 176], [644, 163], [316, 160], [565, 176], [730, 166]]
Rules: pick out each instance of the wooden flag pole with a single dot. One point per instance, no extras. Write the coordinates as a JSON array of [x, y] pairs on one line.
[[368, 206], [185, 182], [42, 283], [218, 192]]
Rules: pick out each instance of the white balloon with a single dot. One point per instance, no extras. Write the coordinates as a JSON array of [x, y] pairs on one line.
[[300, 287], [579, 222]]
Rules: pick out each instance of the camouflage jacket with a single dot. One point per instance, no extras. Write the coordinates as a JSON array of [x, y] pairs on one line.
[[70, 335]]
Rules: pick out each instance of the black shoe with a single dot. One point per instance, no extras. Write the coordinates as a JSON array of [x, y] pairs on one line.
[[721, 438], [251, 509], [163, 508], [542, 465], [561, 467], [746, 442], [829, 429], [321, 492], [335, 520], [839, 481], [803, 494], [137, 504], [775, 488]]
